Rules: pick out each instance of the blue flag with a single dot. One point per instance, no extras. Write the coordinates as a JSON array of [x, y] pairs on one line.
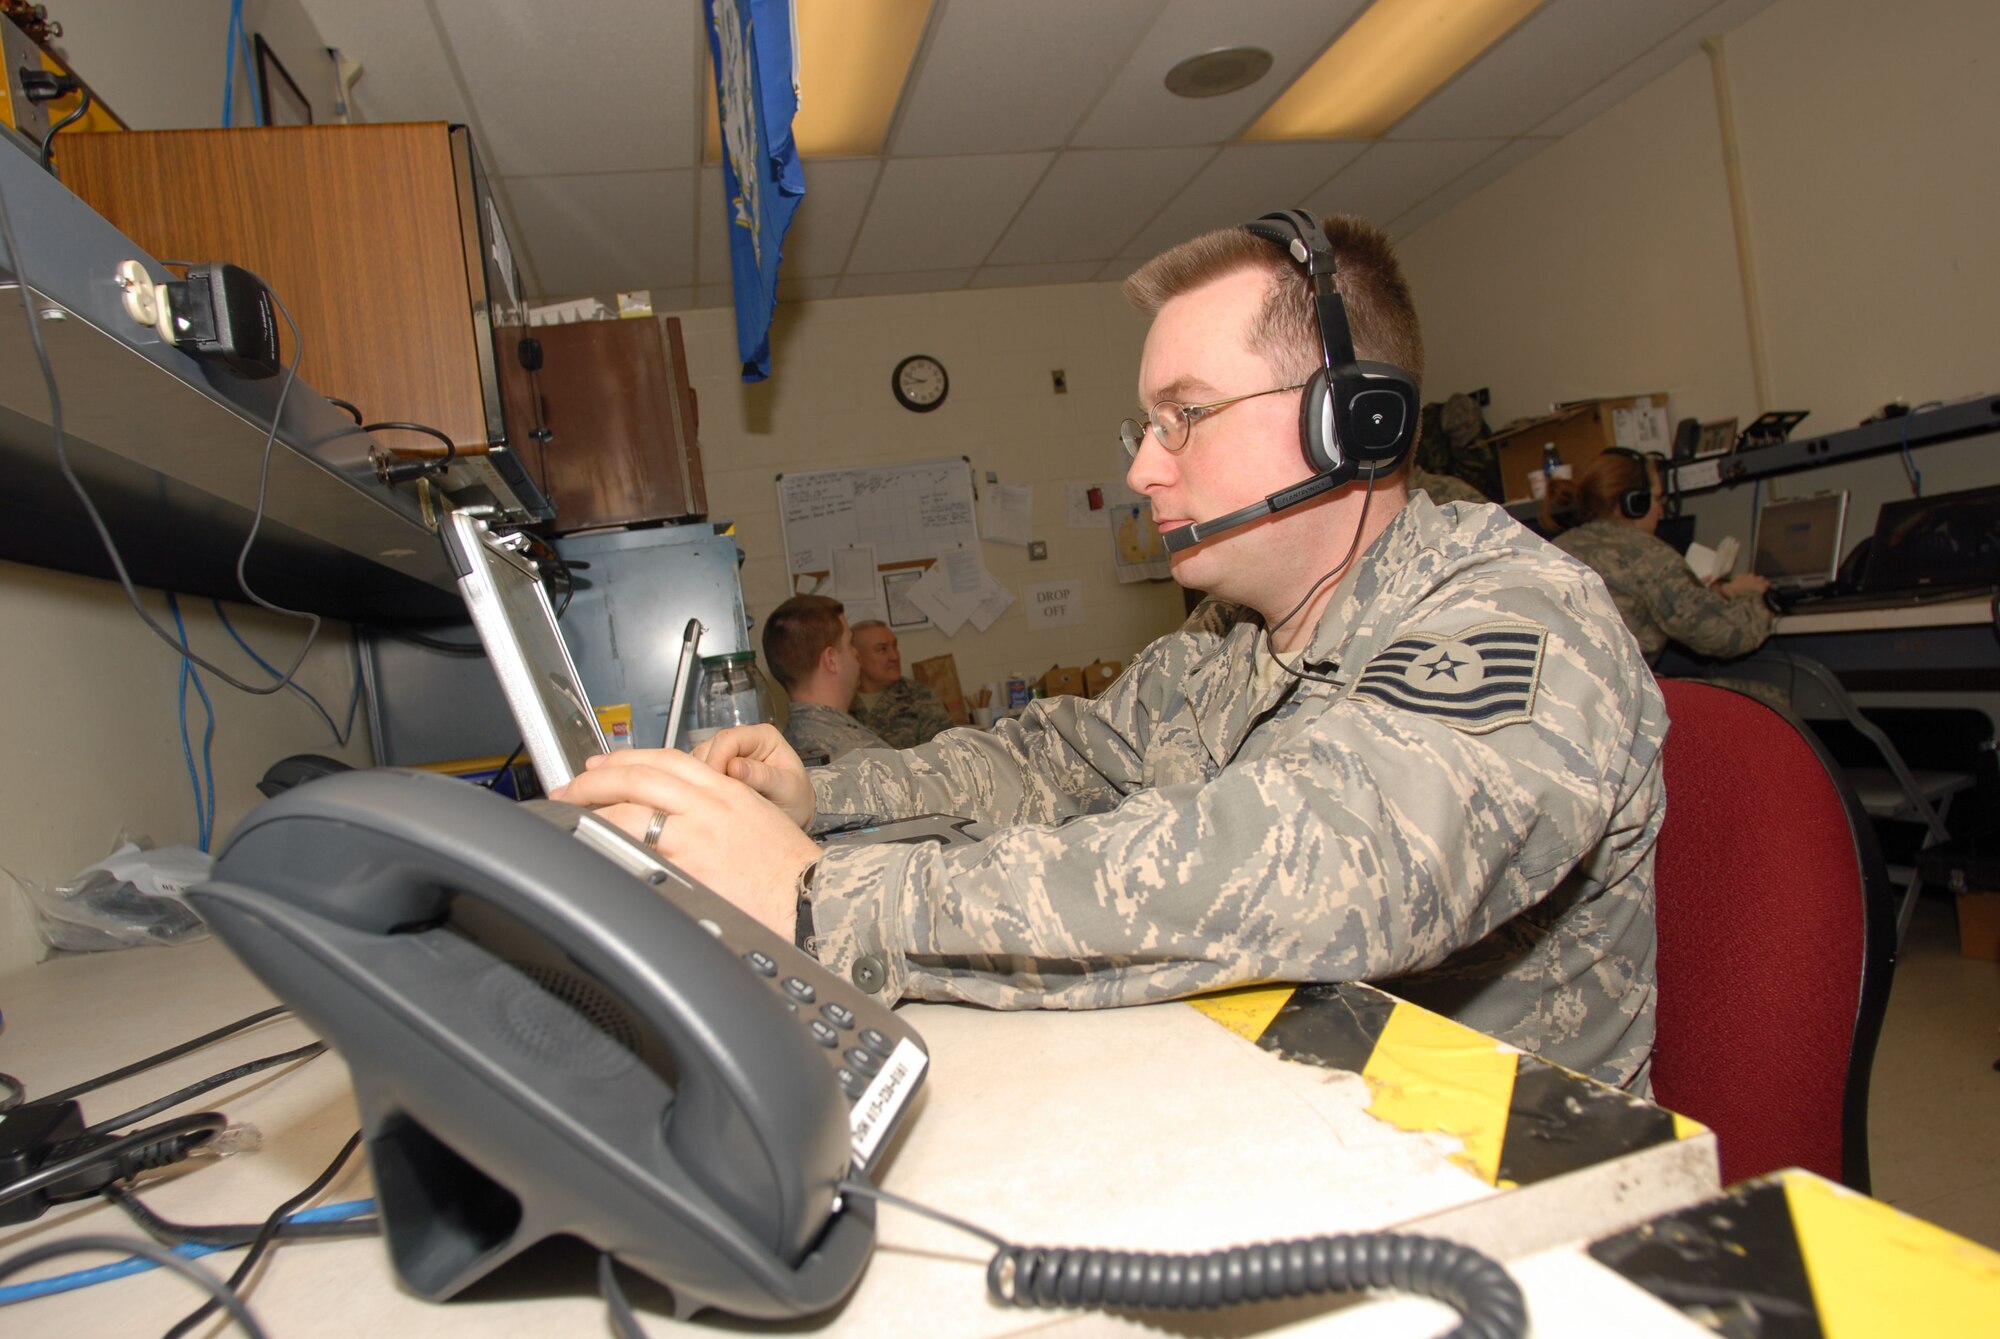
[[751, 43]]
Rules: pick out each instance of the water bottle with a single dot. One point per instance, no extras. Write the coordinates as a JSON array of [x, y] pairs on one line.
[[732, 692]]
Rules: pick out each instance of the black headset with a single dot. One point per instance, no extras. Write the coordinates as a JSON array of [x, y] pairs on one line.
[[1357, 419], [1634, 503]]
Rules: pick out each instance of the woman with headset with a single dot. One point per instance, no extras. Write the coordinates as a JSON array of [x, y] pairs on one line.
[[1615, 508]]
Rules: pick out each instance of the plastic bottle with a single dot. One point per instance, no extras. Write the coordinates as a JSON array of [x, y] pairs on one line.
[[732, 692]]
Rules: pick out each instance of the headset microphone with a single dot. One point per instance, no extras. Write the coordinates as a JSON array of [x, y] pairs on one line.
[[1187, 536]]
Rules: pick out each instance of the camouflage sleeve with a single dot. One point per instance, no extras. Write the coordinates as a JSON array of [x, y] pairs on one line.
[[1371, 842], [928, 716], [1699, 618], [1064, 756]]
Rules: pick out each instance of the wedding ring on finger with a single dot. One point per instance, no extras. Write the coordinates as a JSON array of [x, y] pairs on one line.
[[656, 827]]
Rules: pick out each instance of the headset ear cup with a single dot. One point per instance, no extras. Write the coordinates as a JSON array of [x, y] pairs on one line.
[[1318, 439]]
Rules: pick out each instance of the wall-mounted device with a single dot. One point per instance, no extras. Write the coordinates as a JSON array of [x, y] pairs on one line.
[[219, 311]]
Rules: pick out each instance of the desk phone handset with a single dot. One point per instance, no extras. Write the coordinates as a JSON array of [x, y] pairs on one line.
[[551, 1031]]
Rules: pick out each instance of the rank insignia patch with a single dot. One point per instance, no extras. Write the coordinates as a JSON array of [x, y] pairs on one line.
[[1477, 680]]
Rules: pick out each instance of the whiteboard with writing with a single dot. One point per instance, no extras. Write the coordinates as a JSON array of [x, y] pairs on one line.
[[910, 513]]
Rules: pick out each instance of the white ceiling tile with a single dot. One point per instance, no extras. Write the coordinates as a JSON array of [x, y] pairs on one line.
[[1548, 61], [917, 281], [1617, 85], [1092, 200], [558, 91], [1242, 181], [789, 290], [1137, 110], [943, 213], [406, 69], [1465, 186], [1001, 78], [610, 232], [1013, 276], [1393, 177]]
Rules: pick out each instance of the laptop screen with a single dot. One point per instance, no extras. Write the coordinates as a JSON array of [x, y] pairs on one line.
[[1952, 539], [1798, 541]]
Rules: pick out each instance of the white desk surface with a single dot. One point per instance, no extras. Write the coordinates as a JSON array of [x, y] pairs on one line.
[[1149, 1128], [1944, 614]]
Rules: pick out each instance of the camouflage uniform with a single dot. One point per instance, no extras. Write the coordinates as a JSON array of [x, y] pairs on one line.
[[1443, 488], [906, 713], [1661, 598], [813, 730], [1211, 821]]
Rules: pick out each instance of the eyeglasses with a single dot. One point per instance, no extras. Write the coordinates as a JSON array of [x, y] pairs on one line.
[[1172, 421]]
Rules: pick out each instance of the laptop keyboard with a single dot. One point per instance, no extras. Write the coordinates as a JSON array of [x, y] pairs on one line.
[[1828, 601]]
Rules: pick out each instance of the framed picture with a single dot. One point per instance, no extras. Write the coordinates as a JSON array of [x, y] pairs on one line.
[[284, 104], [1717, 438]]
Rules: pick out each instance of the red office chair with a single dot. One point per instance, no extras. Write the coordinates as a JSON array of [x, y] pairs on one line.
[[1776, 940]]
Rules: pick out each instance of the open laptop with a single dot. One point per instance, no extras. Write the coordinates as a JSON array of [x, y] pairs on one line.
[[1933, 548], [510, 611], [1797, 542]]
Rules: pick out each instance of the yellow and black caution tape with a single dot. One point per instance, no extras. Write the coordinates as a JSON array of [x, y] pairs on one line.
[[1521, 1119], [1792, 1256]]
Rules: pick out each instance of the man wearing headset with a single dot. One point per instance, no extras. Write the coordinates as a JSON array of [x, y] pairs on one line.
[[1398, 743]]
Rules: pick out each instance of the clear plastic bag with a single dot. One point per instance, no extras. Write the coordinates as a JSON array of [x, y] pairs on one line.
[[131, 898]]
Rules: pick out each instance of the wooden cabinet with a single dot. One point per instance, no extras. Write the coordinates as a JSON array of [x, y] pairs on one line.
[[384, 246], [615, 399]]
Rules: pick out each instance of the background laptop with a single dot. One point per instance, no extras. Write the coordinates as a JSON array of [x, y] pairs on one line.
[[1797, 545], [1930, 546]]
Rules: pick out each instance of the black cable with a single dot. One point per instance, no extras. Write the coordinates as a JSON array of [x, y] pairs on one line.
[[48, 140], [158, 1254], [194, 1090], [351, 409], [1271, 632], [266, 1234], [171, 1053], [226, 1236], [1486, 1297], [97, 519], [151, 1141], [450, 447], [15, 1094], [435, 643], [494, 784]]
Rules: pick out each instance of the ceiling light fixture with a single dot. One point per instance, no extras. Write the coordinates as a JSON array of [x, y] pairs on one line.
[[853, 58], [1213, 73], [1390, 59]]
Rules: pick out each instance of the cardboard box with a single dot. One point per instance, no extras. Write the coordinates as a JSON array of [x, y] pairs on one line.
[[1099, 675], [940, 675], [1062, 679], [1979, 925], [1580, 431]]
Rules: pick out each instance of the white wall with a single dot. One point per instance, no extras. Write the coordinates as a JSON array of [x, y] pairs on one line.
[[1607, 265], [92, 737], [160, 66], [828, 405]]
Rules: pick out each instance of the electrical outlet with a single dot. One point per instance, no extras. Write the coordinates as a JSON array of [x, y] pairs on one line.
[[1038, 550], [1061, 381]]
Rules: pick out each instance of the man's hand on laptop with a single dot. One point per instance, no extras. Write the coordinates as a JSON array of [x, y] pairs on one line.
[[716, 829], [759, 757]]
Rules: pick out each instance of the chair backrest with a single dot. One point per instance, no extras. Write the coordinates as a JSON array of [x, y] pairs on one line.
[[1776, 940]]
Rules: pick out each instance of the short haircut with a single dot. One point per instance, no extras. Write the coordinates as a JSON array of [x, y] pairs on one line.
[[868, 623], [795, 634], [1380, 314]]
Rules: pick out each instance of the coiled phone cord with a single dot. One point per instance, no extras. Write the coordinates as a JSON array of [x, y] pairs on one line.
[[1487, 1299]]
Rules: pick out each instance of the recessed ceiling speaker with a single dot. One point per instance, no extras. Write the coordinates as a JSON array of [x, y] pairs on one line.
[[1213, 73]]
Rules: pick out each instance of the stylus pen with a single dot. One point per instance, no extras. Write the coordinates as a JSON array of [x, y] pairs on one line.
[[684, 671]]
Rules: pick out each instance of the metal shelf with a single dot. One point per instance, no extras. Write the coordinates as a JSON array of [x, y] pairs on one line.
[[1966, 418]]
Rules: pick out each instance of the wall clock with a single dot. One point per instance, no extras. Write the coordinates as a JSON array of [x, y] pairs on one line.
[[920, 383]]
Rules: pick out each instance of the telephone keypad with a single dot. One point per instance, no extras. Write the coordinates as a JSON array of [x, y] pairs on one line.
[[839, 1015], [761, 962], [823, 1034], [800, 989], [862, 1060], [873, 1039]]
